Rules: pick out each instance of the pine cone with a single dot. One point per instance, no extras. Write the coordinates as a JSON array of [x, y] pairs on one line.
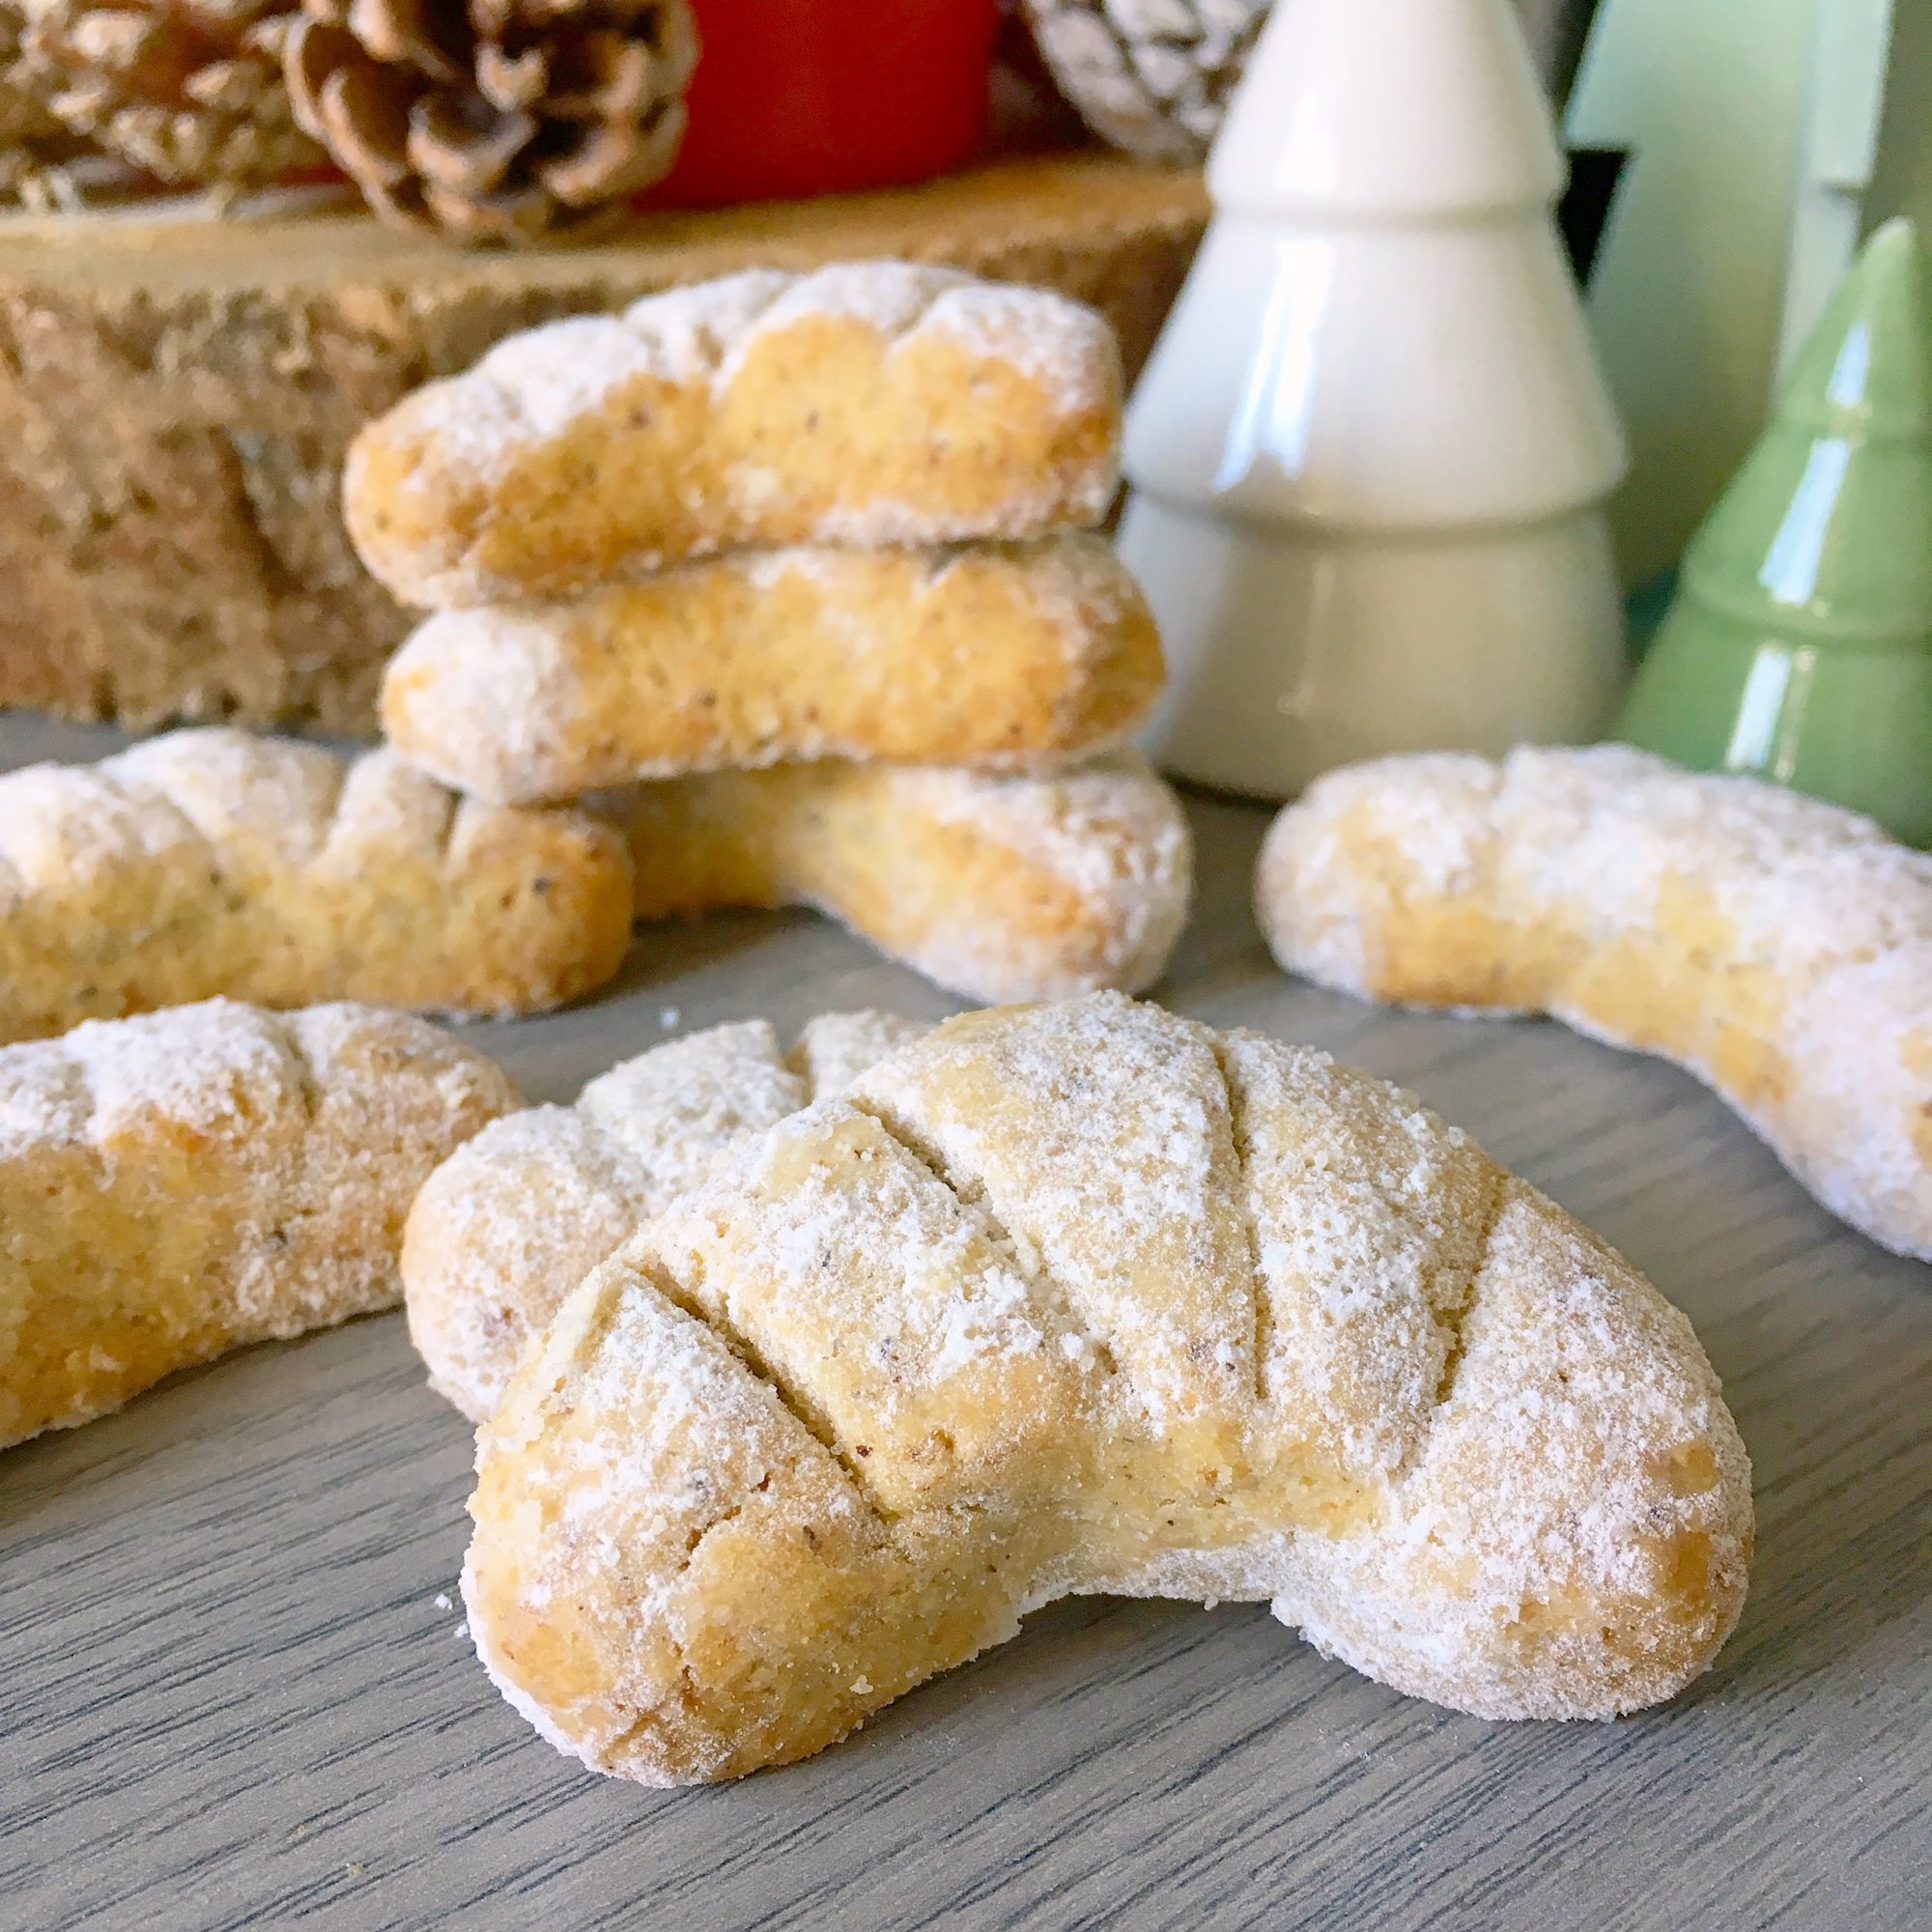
[[186, 93], [1151, 76], [34, 145], [498, 120]]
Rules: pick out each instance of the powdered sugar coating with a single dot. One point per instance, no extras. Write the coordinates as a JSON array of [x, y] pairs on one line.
[[429, 489], [1089, 1298], [710, 330], [538, 382], [704, 1452], [1036, 886], [872, 1315], [1051, 341], [500, 1233], [834, 1049], [1099, 1135], [1580, 1488], [1110, 832], [1778, 948], [185, 1183], [505, 701], [999, 657], [216, 862]]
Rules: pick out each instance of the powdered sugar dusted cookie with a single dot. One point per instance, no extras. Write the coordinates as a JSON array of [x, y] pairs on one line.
[[182, 1184], [998, 656], [1778, 947], [1091, 1297], [870, 405], [502, 1232], [999, 888], [212, 861]]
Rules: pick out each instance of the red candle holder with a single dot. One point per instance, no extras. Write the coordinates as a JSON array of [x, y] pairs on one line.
[[795, 98]]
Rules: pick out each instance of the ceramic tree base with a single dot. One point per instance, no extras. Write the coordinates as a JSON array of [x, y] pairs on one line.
[[1351, 648], [1852, 727]]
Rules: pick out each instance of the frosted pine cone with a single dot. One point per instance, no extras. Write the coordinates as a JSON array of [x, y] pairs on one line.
[[1151, 76]]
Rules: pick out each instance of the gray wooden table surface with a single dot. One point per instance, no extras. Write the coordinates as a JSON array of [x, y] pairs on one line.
[[234, 1690]]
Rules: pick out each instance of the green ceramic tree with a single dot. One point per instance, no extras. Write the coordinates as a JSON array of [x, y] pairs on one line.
[[1800, 646]]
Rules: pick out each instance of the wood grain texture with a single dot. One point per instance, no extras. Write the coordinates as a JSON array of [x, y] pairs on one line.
[[229, 1697], [176, 399]]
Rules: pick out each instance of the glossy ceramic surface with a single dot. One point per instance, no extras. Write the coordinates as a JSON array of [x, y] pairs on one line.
[[1356, 647], [1800, 646], [1387, 108], [1377, 378], [1369, 454]]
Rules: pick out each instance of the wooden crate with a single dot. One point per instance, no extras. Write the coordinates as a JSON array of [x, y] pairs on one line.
[[176, 397]]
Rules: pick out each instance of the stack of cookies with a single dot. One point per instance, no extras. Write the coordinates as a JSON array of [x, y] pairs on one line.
[[805, 565]]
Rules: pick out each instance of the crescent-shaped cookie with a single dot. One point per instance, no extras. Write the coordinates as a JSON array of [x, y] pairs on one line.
[[211, 862], [1004, 657], [1778, 947], [180, 1185], [1089, 1297], [867, 405], [1020, 887]]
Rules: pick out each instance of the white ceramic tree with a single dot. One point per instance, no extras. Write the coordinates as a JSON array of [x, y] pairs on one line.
[[1370, 454]]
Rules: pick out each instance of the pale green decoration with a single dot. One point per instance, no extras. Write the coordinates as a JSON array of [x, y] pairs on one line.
[[1800, 648]]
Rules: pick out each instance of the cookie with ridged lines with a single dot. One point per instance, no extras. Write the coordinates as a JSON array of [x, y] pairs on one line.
[[212, 861], [506, 1227], [1089, 1297]]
